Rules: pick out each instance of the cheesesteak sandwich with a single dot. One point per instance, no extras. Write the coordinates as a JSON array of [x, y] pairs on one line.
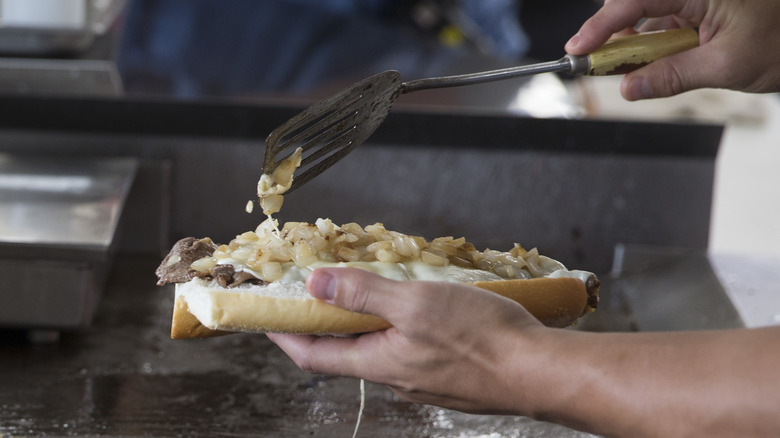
[[256, 283]]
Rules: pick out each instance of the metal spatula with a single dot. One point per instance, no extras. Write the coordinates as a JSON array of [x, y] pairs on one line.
[[331, 128]]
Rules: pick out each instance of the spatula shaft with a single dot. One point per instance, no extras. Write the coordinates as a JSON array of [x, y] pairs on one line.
[[562, 65]]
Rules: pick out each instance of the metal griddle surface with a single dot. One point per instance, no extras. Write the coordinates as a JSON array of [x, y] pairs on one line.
[[126, 377]]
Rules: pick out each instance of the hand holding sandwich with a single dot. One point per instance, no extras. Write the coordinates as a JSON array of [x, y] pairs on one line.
[[739, 44], [458, 347], [450, 345]]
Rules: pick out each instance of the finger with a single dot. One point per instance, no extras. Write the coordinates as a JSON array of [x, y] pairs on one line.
[[614, 17], [323, 355], [668, 22], [625, 32], [295, 346], [671, 76], [356, 290], [359, 291]]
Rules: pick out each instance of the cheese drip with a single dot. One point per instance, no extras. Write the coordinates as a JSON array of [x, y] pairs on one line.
[[271, 187]]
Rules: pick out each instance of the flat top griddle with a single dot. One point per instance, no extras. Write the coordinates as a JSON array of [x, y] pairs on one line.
[[126, 377]]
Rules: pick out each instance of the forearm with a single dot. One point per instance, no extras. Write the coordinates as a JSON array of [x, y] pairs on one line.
[[654, 384]]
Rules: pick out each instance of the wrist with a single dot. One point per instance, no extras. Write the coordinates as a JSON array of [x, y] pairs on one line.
[[550, 376]]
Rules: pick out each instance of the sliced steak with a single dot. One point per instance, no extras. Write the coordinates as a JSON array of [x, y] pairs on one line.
[[175, 267], [223, 274]]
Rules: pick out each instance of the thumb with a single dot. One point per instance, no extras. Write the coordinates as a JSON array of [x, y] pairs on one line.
[[356, 290], [669, 76]]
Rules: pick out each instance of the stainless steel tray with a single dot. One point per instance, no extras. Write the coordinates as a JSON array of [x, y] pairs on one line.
[[59, 77], [58, 223], [55, 37]]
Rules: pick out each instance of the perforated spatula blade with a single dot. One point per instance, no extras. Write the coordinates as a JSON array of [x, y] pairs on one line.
[[331, 128]]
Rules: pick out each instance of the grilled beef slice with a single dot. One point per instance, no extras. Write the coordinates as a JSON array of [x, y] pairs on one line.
[[175, 267]]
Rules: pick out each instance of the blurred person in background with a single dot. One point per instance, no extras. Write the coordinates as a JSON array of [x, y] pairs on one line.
[[196, 48]]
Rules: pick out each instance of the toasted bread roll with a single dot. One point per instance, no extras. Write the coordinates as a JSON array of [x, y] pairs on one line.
[[204, 309]]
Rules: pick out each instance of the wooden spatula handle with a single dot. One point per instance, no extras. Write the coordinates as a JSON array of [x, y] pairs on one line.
[[625, 54]]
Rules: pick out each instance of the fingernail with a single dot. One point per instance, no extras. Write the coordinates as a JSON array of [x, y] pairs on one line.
[[323, 286], [639, 88], [574, 41]]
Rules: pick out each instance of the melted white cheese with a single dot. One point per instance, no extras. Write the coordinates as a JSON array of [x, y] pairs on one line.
[[394, 271], [584, 276]]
